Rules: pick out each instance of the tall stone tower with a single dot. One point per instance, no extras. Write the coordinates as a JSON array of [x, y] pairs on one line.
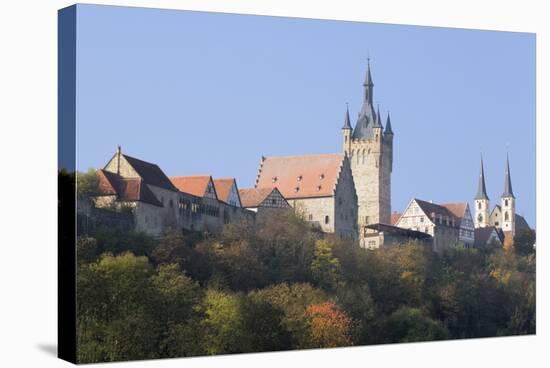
[[481, 201], [508, 203], [370, 149]]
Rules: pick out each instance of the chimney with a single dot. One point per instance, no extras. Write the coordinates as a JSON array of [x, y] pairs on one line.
[[118, 153]]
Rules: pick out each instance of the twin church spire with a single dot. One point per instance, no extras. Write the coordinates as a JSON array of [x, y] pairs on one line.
[[505, 214]]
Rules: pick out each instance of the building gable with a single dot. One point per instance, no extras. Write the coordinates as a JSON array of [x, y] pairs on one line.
[[197, 185], [227, 191]]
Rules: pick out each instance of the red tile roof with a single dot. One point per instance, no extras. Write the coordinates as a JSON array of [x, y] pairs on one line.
[[223, 188], [195, 185], [253, 197], [457, 209], [395, 217], [301, 176], [431, 209], [126, 189]]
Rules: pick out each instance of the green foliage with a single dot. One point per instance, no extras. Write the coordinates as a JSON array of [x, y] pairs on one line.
[[524, 242], [280, 285], [224, 323], [292, 300], [87, 184], [325, 268], [411, 324]]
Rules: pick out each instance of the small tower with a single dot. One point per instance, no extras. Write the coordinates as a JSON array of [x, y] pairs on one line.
[[346, 132], [508, 203], [481, 201], [388, 138], [377, 126]]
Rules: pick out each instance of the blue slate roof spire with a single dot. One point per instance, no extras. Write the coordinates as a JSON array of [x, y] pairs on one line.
[[508, 192], [347, 124], [481, 191], [377, 120], [388, 125], [367, 116], [368, 84]]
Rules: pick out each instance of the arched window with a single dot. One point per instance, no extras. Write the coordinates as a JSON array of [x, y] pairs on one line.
[[364, 158], [506, 202], [480, 218], [506, 216], [327, 219], [479, 205]]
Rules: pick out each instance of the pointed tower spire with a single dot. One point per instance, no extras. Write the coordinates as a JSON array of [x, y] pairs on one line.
[[377, 121], [347, 124], [481, 190], [388, 129], [368, 84], [508, 192]]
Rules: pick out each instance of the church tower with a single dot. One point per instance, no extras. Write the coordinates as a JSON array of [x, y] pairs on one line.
[[481, 201], [508, 202], [370, 149]]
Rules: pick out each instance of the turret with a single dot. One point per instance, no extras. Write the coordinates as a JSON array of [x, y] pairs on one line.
[[346, 132], [388, 138], [508, 202], [481, 201]]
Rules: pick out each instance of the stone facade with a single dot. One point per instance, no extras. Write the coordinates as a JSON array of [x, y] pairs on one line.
[[370, 149], [157, 205], [319, 187]]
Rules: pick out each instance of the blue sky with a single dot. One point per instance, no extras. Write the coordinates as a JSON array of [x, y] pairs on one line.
[[207, 93]]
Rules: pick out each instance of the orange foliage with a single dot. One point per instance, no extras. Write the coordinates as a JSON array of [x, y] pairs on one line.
[[329, 326]]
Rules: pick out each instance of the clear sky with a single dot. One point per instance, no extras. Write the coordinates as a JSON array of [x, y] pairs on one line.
[[207, 93]]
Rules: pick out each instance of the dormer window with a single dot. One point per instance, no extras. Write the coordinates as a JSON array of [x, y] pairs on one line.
[[300, 178], [274, 179], [296, 189], [318, 188], [322, 176]]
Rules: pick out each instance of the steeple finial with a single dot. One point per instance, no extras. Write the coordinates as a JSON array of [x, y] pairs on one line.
[[388, 129], [508, 192], [347, 124], [481, 190]]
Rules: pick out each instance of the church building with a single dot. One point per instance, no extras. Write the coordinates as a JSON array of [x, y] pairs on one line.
[[503, 216]]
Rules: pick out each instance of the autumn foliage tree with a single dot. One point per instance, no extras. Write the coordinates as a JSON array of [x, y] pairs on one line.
[[329, 326]]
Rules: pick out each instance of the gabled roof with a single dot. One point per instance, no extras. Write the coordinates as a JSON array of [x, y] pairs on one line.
[[521, 223], [195, 185], [483, 234], [431, 209], [150, 173], [126, 189], [253, 197], [457, 209], [395, 217], [301, 176], [223, 188]]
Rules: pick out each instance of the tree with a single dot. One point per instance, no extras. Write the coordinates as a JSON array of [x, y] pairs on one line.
[[178, 312], [116, 310], [411, 324], [292, 300], [524, 242], [223, 324], [87, 184], [325, 268], [329, 326]]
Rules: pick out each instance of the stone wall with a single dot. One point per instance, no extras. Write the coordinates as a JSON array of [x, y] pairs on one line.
[[371, 163], [317, 211]]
